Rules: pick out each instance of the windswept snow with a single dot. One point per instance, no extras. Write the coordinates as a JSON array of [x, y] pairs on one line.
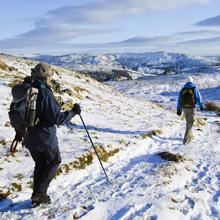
[[142, 186]]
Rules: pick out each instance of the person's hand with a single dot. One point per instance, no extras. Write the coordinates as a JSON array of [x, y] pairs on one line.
[[76, 109], [18, 137], [179, 112]]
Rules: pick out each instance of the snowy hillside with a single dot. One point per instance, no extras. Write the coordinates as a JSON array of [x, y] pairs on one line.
[[130, 123], [142, 63]]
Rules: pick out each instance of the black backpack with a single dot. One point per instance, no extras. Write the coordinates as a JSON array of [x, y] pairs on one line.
[[21, 109], [188, 98]]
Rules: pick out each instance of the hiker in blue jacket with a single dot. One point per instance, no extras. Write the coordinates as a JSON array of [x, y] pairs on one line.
[[42, 139], [189, 98]]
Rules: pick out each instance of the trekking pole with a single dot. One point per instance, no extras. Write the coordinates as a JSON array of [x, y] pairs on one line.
[[94, 147], [13, 146]]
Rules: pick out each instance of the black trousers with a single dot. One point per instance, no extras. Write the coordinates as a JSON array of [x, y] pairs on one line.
[[46, 165]]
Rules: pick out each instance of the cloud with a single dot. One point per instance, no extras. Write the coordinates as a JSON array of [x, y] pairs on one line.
[[46, 37], [199, 33], [202, 42], [143, 41], [187, 37], [214, 21], [110, 10], [66, 23]]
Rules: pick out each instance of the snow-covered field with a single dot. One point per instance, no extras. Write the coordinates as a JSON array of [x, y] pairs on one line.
[[137, 119]]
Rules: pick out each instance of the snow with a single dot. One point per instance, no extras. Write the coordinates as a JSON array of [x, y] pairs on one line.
[[118, 116]]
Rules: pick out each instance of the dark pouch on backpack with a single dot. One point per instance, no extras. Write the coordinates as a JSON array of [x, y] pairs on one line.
[[16, 119]]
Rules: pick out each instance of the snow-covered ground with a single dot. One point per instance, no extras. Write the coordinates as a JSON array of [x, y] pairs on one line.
[[122, 118]]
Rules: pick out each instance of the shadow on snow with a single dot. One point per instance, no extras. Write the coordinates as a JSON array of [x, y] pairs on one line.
[[105, 130], [8, 205]]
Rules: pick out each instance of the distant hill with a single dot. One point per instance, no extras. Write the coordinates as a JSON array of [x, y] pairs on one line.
[[136, 64]]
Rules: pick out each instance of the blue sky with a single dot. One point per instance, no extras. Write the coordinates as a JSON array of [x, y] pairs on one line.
[[68, 26]]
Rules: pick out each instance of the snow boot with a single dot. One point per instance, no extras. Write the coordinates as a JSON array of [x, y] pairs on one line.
[[40, 198]]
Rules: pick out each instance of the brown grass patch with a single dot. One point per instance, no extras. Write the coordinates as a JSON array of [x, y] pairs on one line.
[[122, 141], [16, 187], [3, 142], [19, 176], [212, 106], [30, 184], [7, 124], [80, 163], [3, 66], [67, 106], [77, 76], [104, 154], [15, 81], [59, 99], [79, 89], [4, 193], [171, 157], [56, 86], [200, 122], [86, 159], [68, 91], [151, 133]]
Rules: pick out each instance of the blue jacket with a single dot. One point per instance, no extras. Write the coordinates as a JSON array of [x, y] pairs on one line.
[[198, 97], [43, 135]]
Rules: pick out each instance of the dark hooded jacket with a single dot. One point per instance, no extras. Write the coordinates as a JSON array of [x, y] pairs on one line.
[[49, 114]]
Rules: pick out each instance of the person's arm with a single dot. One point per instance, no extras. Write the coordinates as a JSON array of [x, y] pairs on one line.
[[179, 104], [51, 110], [198, 99]]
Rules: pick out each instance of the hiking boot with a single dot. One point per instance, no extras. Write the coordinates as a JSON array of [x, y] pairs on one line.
[[189, 139], [40, 198], [33, 195]]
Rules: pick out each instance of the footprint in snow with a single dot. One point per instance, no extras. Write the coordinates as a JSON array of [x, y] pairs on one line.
[[216, 197]]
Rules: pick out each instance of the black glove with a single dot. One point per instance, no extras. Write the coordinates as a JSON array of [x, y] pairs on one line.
[[201, 108], [76, 109], [18, 137], [179, 112]]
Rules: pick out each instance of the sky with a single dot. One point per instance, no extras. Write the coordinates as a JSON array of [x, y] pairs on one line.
[[59, 27]]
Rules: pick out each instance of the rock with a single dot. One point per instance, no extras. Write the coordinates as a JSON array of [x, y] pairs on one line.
[[120, 74], [111, 75]]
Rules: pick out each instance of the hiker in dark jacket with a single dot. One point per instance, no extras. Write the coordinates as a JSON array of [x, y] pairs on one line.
[[189, 98], [42, 140]]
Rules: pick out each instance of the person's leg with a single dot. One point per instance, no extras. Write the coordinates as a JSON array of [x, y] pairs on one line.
[[189, 115], [40, 164], [191, 122], [53, 162]]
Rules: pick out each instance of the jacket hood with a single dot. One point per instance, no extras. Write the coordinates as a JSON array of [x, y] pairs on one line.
[[189, 85]]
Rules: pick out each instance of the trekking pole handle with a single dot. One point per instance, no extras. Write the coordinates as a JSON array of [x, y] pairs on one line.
[[94, 147]]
